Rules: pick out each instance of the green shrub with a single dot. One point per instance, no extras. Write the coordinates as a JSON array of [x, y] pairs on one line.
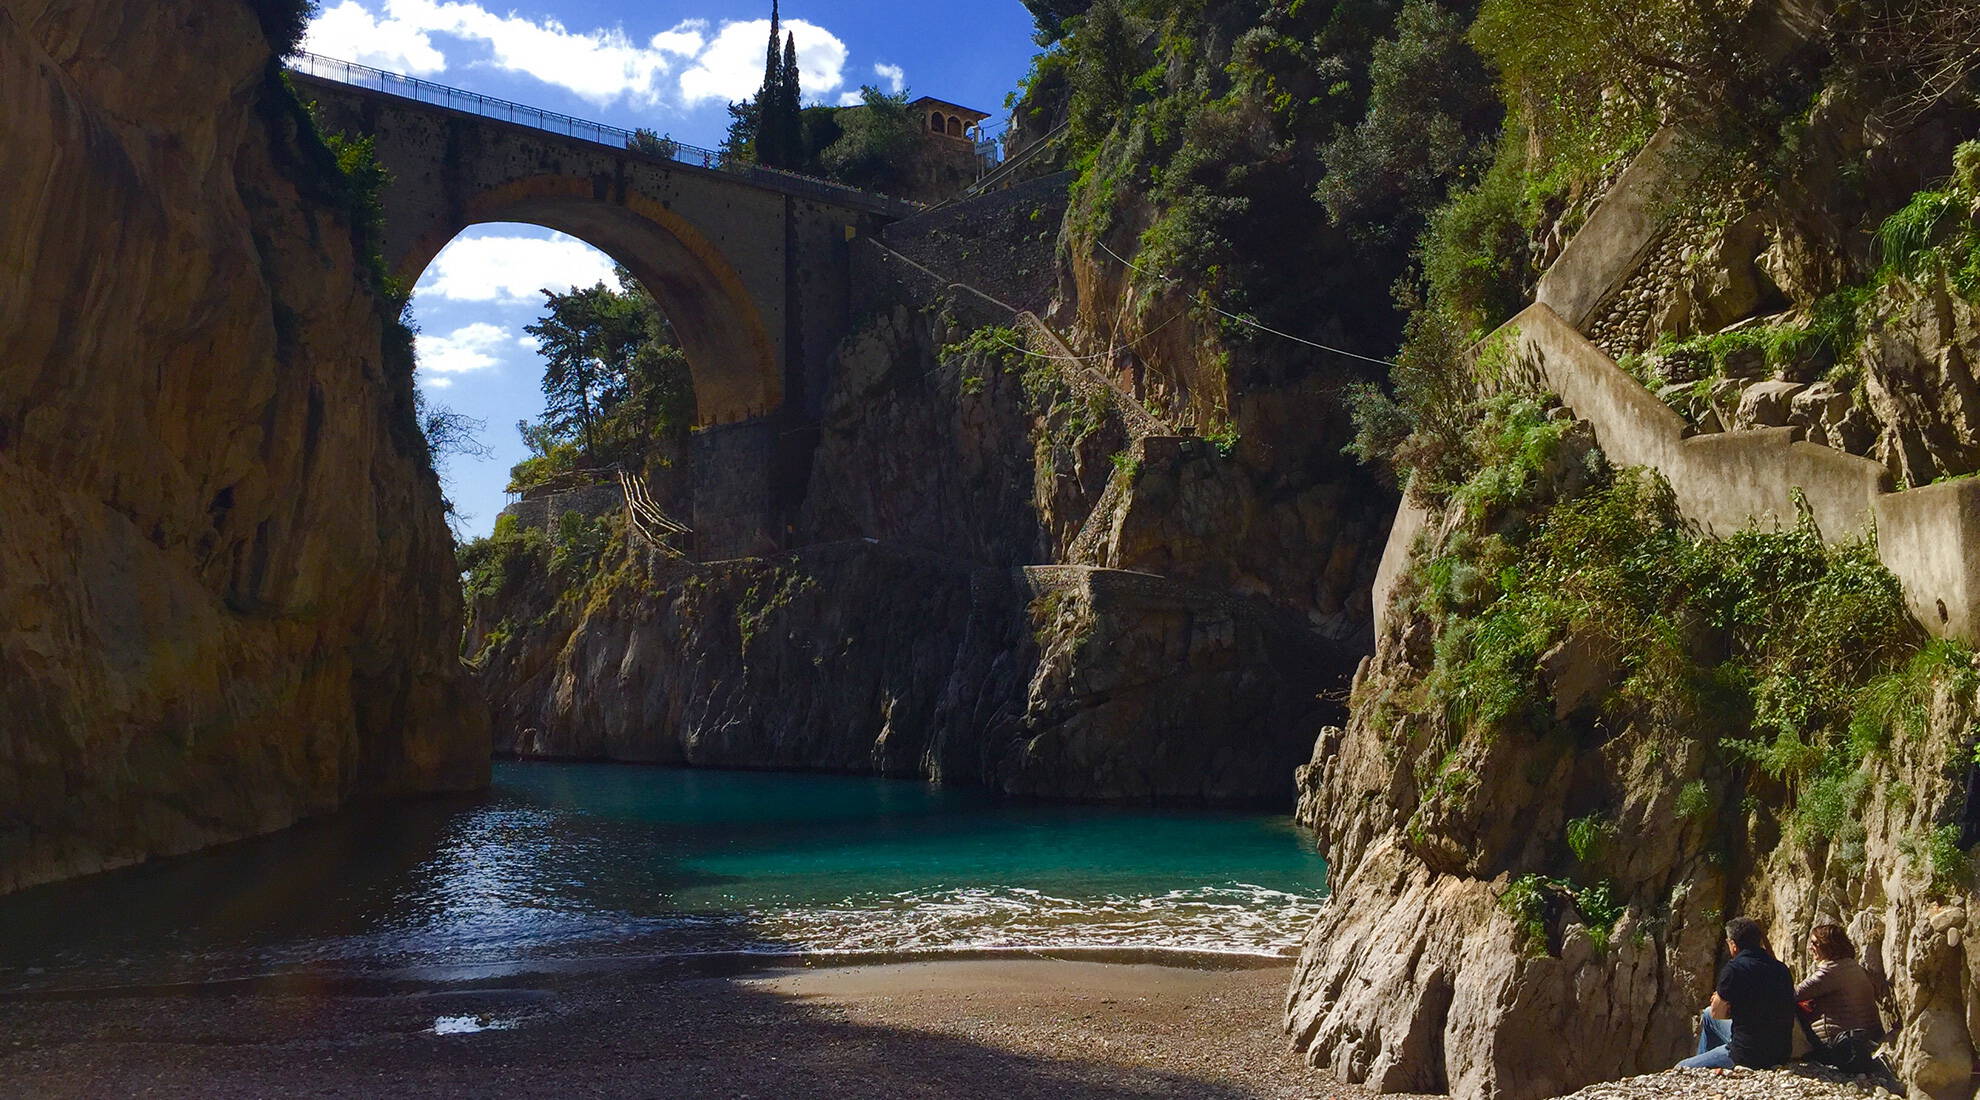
[[284, 22], [1803, 631], [1587, 837], [1527, 901], [1431, 111], [1475, 251], [577, 544], [1515, 441], [1223, 436], [1532, 901], [1947, 867], [495, 566], [1694, 801], [997, 344]]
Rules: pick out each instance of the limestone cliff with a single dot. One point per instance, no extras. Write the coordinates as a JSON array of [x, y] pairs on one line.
[[228, 588], [975, 599], [1611, 707], [1531, 864]]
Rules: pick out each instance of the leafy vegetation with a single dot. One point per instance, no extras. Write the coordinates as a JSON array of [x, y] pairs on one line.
[[284, 22], [1534, 901], [872, 146], [493, 567], [1214, 142], [1948, 868], [1796, 662], [763, 600], [1588, 837], [1931, 236], [616, 385], [1430, 112]]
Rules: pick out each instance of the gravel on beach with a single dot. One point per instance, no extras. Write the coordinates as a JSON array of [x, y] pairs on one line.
[[1798, 1082], [998, 1028], [986, 1028]]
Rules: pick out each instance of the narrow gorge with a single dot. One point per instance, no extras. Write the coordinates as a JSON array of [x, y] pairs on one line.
[[1531, 444]]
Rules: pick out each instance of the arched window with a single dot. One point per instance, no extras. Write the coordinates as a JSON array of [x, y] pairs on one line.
[[955, 127], [935, 122]]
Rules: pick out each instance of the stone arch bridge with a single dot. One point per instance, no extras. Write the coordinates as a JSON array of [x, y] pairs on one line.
[[751, 266]]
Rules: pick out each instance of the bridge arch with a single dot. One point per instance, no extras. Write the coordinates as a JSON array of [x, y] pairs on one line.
[[732, 358]]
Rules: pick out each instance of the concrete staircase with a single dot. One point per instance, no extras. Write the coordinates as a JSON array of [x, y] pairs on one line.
[[1929, 536]]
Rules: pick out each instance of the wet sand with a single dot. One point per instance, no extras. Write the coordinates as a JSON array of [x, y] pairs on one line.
[[952, 1028]]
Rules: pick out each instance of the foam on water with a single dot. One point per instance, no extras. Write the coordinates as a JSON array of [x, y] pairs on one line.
[[1239, 918]]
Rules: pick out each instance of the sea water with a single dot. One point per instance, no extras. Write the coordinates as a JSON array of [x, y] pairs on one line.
[[595, 862]]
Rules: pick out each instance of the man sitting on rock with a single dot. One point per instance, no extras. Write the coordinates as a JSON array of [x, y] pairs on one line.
[[1751, 1019]]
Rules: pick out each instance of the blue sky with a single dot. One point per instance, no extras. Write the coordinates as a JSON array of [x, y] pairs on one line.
[[670, 66]]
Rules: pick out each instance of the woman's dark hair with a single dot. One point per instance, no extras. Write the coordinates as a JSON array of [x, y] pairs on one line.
[[1829, 941], [1744, 933]]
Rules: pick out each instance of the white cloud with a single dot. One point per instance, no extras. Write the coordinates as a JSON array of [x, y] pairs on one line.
[[529, 343], [894, 75], [350, 33], [686, 39], [513, 269], [851, 99], [433, 383], [467, 349], [601, 65], [604, 66], [730, 67]]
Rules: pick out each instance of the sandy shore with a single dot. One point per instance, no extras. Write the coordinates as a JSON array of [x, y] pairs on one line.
[[955, 1028]]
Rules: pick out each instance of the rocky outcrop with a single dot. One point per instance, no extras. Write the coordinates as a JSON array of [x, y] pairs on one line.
[[865, 656], [1921, 388], [228, 588], [1462, 950]]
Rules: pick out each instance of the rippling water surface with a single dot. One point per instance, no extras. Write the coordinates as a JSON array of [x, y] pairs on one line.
[[584, 861]]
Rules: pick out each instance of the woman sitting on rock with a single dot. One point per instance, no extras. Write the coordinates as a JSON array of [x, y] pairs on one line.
[[1840, 996]]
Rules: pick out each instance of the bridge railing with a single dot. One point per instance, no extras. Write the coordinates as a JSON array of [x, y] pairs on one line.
[[644, 144]]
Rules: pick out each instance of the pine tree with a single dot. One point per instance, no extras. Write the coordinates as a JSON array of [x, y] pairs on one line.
[[587, 338]]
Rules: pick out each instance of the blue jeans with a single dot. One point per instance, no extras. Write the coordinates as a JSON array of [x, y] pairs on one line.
[[1714, 1039]]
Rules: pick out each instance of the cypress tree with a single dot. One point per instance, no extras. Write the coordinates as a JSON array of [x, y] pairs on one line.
[[772, 135], [788, 103]]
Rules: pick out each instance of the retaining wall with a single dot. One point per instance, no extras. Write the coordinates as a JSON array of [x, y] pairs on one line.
[[1929, 537], [736, 505], [590, 501], [1621, 232]]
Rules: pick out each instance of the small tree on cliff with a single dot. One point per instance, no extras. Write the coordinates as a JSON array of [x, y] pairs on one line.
[[589, 338]]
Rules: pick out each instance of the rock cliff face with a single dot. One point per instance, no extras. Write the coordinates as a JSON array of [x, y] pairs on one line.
[[1526, 906], [1016, 574], [228, 588]]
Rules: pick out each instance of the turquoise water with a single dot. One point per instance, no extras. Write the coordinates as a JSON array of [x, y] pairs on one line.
[[581, 861]]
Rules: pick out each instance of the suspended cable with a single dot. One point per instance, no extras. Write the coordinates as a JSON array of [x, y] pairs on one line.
[[1108, 354], [1212, 306]]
